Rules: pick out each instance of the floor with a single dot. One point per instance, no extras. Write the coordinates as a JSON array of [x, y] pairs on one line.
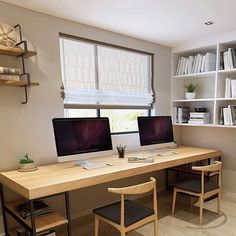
[[183, 222]]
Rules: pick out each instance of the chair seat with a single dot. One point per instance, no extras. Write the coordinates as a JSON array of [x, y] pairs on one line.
[[195, 186], [134, 212]]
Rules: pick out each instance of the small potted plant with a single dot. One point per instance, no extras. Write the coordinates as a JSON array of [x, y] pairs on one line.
[[27, 164], [190, 90]]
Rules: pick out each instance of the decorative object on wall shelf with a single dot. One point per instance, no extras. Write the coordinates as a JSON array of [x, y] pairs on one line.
[[27, 164], [190, 88], [13, 76], [8, 35]]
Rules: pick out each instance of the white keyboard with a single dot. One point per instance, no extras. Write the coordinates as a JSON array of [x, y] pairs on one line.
[[91, 165], [161, 152]]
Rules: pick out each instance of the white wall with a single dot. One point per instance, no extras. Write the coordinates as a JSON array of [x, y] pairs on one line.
[[28, 128], [223, 139]]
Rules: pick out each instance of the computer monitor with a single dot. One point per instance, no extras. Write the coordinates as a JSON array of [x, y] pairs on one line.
[[81, 138], [156, 131]]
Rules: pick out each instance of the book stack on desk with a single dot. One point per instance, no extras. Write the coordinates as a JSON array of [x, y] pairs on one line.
[[40, 208]]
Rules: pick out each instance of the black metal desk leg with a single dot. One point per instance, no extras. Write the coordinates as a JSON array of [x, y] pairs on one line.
[[67, 202], [32, 216], [3, 210], [167, 179]]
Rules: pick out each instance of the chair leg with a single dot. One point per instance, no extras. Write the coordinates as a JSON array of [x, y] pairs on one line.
[[174, 201], [155, 227], [96, 226], [201, 209], [122, 233], [191, 200], [218, 202]]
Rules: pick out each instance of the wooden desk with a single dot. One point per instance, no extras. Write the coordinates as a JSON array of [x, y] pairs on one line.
[[64, 177]]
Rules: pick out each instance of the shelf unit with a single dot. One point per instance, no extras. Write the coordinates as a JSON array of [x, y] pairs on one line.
[[211, 85], [17, 51], [35, 224], [42, 222]]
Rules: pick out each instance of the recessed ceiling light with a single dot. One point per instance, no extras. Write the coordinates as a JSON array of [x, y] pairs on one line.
[[209, 23]]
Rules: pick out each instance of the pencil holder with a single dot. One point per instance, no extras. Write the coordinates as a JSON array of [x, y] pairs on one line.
[[121, 151]]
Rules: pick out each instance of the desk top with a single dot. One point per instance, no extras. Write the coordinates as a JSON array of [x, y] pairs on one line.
[[62, 177]]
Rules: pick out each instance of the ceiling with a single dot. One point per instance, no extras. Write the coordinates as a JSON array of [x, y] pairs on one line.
[[168, 22]]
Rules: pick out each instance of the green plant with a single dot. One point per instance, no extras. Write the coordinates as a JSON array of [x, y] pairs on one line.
[[26, 159], [190, 87]]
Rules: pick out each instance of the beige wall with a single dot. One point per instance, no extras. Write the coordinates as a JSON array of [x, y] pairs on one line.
[[223, 139], [28, 128]]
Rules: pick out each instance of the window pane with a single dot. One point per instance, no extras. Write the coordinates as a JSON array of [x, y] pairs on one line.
[[80, 113], [78, 65], [125, 77], [123, 120]]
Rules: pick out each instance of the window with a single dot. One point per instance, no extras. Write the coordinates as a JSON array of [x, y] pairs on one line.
[[106, 80]]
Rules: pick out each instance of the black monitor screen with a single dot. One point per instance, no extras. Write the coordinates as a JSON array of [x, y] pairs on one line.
[[155, 130], [81, 135]]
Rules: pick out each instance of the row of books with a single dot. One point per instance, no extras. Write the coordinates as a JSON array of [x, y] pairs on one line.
[[228, 115], [230, 88], [228, 59], [199, 118], [181, 114], [196, 64], [7, 73]]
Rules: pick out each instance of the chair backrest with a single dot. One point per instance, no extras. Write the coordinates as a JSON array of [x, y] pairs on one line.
[[136, 189], [216, 167]]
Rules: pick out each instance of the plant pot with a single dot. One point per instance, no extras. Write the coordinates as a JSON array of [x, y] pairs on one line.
[[190, 95], [27, 166]]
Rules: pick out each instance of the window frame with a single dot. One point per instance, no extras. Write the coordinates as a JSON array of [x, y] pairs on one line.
[[97, 107], [98, 115]]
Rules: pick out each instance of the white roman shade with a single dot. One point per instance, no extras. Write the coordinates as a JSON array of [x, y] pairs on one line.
[[98, 75]]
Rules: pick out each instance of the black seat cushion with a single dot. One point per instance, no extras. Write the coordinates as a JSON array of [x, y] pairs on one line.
[[134, 212], [195, 186]]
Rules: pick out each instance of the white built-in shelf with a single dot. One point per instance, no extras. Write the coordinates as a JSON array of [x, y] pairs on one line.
[[231, 71], [226, 99], [194, 100], [197, 75], [210, 85], [205, 125]]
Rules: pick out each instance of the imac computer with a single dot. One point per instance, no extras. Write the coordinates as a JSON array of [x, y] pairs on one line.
[[155, 132], [82, 138]]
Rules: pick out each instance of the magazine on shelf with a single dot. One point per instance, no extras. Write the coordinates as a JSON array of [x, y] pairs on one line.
[[39, 208]]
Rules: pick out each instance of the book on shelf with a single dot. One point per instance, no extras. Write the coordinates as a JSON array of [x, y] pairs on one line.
[[181, 114], [196, 64], [221, 60], [204, 115], [9, 71], [40, 208], [228, 59], [4, 77], [229, 115], [230, 88], [199, 118]]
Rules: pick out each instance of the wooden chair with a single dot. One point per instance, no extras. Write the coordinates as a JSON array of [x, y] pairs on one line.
[[200, 188], [127, 215]]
